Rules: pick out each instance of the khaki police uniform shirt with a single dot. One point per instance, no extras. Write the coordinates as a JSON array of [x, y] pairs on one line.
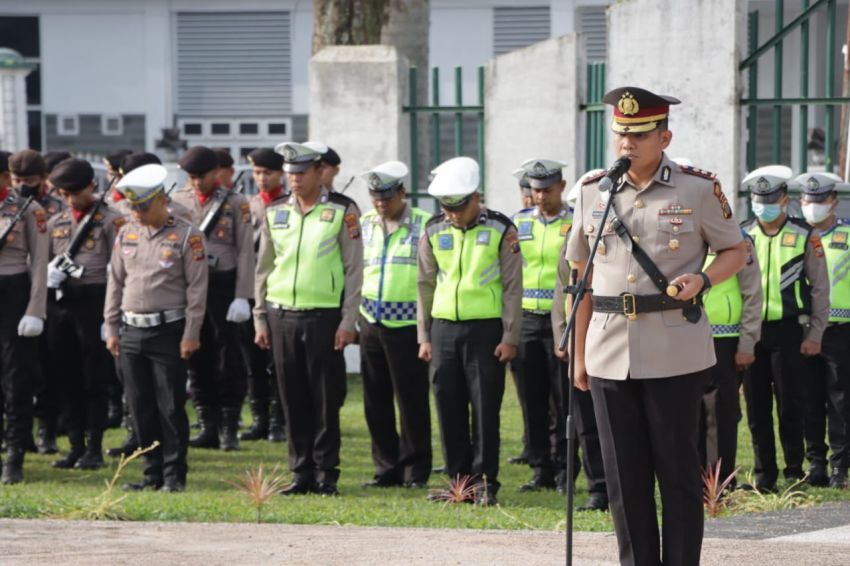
[[675, 218], [749, 281], [96, 250], [26, 249], [351, 250], [158, 270], [258, 214], [176, 209], [231, 241], [510, 261], [52, 205]]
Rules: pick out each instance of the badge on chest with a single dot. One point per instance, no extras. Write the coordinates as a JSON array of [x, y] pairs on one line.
[[483, 238], [789, 239], [445, 242], [281, 219], [839, 241], [525, 230]]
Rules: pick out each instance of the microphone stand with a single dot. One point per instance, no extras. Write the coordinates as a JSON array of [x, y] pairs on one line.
[[577, 291]]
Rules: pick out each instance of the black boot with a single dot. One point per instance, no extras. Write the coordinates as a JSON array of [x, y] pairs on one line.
[[277, 422], [544, 478], [260, 427], [46, 442], [93, 458], [229, 426], [78, 448], [114, 413], [129, 445], [13, 467], [208, 435]]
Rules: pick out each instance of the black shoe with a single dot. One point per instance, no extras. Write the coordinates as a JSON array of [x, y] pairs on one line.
[[764, 487], [326, 489], [146, 483], [91, 460], [416, 484], [229, 428], [69, 460], [596, 502], [794, 474], [276, 433], [255, 432], [13, 467], [206, 438], [383, 481], [298, 488], [46, 437], [127, 448], [485, 499], [173, 486], [538, 482], [817, 477], [522, 460], [838, 479]]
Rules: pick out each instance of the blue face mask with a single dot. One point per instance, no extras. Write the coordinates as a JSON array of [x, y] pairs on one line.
[[767, 212]]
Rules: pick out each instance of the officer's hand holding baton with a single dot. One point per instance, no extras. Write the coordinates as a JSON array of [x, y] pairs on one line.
[[689, 284]]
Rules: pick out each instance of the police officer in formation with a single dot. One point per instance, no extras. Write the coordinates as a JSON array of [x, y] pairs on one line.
[[309, 275], [217, 379], [828, 375], [391, 369], [795, 313], [469, 320], [154, 333]]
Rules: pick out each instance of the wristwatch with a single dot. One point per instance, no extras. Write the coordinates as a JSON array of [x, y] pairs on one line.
[[706, 282]]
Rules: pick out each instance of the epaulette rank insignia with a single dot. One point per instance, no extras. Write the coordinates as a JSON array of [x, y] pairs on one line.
[[690, 170], [594, 179]]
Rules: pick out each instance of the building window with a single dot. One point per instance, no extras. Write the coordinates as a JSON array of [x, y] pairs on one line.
[[515, 28], [593, 27], [220, 128], [277, 129], [249, 128], [193, 129], [68, 125], [111, 125]]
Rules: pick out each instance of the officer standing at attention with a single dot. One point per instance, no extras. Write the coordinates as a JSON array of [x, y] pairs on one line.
[[795, 313], [23, 300], [643, 342], [226, 172], [468, 320], [309, 274], [156, 296], [75, 311], [217, 378], [264, 399], [828, 378], [388, 346]]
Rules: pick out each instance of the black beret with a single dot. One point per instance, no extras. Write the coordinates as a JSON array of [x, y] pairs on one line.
[[135, 160], [72, 175], [54, 158], [198, 160], [27, 162], [4, 160], [331, 157], [266, 157], [224, 158], [114, 159]]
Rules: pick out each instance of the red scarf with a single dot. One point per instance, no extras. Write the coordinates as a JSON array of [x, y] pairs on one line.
[[269, 196], [202, 198], [4, 192], [78, 214]]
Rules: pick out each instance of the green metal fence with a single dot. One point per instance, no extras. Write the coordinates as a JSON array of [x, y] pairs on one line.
[[434, 111], [594, 111]]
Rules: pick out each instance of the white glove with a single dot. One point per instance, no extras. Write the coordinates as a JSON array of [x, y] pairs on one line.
[[103, 332], [30, 326], [239, 311], [55, 277]]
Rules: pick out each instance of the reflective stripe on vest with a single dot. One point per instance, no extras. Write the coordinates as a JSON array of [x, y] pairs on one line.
[[308, 271], [540, 241], [835, 245], [724, 305], [389, 269]]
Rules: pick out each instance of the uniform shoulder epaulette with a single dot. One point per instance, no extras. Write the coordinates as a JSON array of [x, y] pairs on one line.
[[499, 217], [594, 178], [842, 222], [691, 170], [341, 199], [436, 219]]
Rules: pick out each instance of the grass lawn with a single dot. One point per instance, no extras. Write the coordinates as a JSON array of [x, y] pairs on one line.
[[52, 493]]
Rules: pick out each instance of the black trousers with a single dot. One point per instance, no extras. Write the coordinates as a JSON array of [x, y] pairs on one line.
[[648, 429], [393, 372], [47, 384], [79, 355], [778, 370], [259, 367], [155, 386], [312, 381], [828, 381], [466, 374], [216, 375], [721, 410], [588, 439], [17, 355]]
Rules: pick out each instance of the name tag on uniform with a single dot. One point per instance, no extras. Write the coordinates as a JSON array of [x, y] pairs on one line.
[[789, 239], [327, 215], [281, 219], [839, 241], [445, 242], [525, 230], [483, 238]]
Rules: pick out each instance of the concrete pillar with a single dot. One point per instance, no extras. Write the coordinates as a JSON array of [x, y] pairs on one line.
[[531, 109], [14, 134], [356, 95], [689, 50]]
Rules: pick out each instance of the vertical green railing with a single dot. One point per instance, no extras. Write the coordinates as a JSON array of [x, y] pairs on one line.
[[458, 109], [594, 111], [803, 155], [752, 115], [829, 130], [776, 124]]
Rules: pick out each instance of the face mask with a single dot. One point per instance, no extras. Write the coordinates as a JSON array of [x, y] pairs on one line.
[[766, 212], [815, 213], [29, 190]]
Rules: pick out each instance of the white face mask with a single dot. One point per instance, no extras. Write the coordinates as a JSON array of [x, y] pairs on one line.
[[815, 212]]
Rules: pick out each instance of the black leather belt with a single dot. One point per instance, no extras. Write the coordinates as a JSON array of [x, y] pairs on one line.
[[632, 305]]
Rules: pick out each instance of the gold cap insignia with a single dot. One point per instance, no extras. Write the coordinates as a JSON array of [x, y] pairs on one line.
[[628, 106]]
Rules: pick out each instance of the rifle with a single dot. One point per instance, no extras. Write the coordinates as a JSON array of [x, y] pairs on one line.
[[15, 219], [171, 188], [238, 187]]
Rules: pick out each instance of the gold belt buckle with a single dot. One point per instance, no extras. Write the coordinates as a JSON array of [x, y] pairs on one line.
[[631, 313]]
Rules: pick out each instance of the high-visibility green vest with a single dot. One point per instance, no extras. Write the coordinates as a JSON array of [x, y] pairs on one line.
[[835, 244], [540, 241], [308, 270], [389, 269], [469, 282], [787, 292], [724, 305]]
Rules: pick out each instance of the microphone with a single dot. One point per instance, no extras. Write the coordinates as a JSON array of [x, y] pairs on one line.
[[617, 170]]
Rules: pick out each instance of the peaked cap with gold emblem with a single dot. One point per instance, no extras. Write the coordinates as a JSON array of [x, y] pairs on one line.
[[637, 110]]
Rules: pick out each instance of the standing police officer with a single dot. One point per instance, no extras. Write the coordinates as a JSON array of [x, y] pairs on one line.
[[156, 295], [828, 378], [642, 339], [388, 346], [468, 320], [309, 274], [216, 380], [795, 312]]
